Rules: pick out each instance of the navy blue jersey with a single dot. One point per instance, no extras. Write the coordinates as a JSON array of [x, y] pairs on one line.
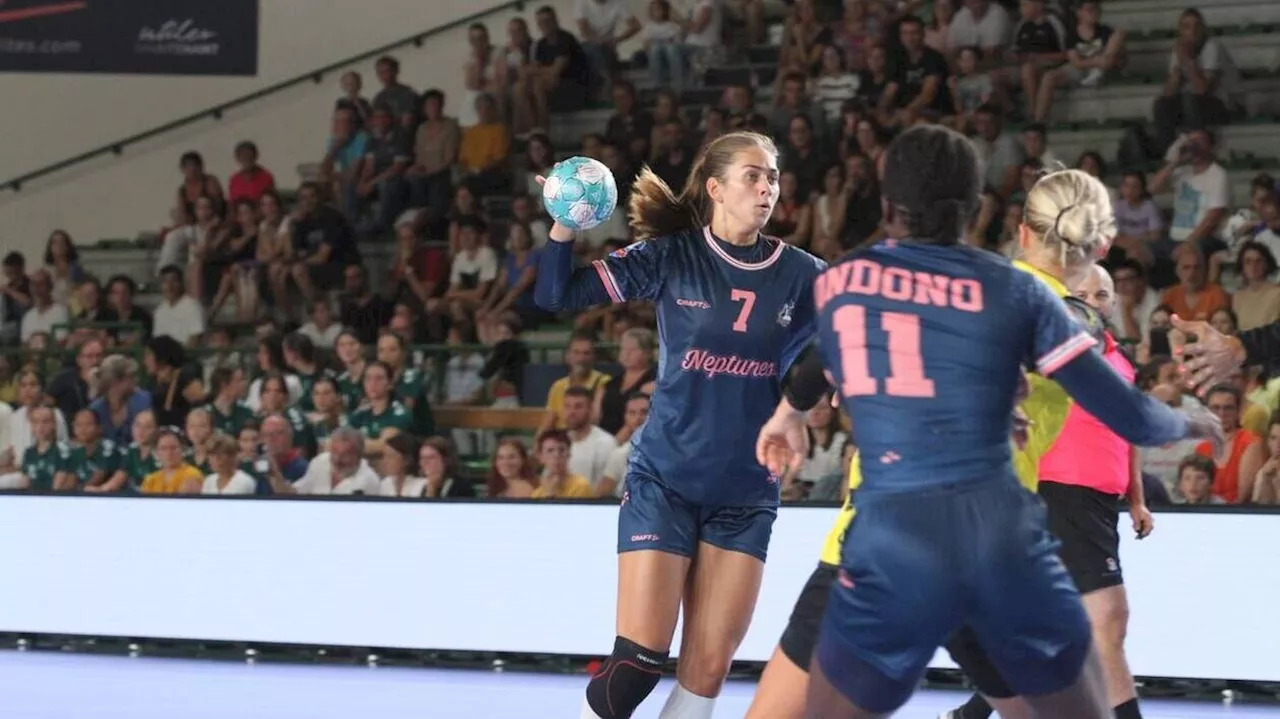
[[731, 320], [926, 344]]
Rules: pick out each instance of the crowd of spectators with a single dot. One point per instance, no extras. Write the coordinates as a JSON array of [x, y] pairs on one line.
[[275, 362]]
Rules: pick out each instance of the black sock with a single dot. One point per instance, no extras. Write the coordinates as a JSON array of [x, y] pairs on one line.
[[976, 708], [1128, 710]]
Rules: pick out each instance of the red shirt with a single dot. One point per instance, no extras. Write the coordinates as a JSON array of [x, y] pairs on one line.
[[430, 264], [250, 184]]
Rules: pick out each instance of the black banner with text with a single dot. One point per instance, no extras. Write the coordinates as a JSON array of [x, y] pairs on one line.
[[150, 37]]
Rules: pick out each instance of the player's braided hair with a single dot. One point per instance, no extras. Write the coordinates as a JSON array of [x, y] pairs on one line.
[[656, 211], [932, 180]]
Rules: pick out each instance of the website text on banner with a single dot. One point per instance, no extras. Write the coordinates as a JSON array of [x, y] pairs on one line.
[[331, 573], [174, 37]]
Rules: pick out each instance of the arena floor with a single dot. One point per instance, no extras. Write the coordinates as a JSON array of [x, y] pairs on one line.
[[63, 686]]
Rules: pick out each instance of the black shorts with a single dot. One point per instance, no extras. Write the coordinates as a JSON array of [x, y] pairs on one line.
[[1086, 521], [801, 636]]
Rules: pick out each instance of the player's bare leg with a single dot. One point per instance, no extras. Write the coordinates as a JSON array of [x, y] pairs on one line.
[[650, 584], [826, 702], [720, 597], [1085, 699], [782, 689], [1108, 611]]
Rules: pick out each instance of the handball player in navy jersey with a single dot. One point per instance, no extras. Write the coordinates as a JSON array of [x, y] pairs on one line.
[[735, 308], [925, 340]]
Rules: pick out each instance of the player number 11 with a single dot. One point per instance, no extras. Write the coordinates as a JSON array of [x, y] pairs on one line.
[[906, 364]]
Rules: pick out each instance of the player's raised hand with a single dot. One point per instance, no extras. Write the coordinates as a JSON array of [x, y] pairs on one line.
[[783, 443], [558, 232], [1208, 357]]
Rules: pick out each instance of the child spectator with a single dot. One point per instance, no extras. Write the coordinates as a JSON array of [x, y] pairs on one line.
[[1040, 43], [970, 88], [557, 481], [663, 37], [1195, 482], [1093, 50]]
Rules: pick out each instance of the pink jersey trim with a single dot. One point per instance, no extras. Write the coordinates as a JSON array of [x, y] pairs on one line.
[[1053, 360], [607, 279], [751, 266]]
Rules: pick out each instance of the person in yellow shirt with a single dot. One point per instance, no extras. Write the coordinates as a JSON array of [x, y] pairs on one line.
[[175, 475], [485, 147], [557, 482], [580, 355]]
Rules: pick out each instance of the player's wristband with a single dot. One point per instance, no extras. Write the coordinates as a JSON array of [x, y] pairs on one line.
[[806, 384]]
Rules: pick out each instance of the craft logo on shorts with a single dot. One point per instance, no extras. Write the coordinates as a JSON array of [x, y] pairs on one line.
[[644, 537], [177, 37]]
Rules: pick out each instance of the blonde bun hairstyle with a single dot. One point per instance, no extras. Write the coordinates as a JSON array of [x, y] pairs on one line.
[[1069, 213]]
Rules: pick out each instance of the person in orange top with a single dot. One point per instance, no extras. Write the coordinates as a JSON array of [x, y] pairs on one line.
[[1243, 456], [1194, 297], [175, 475], [557, 482], [485, 147]]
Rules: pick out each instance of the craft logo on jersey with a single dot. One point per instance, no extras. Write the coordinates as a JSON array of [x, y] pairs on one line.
[[784, 314], [622, 251]]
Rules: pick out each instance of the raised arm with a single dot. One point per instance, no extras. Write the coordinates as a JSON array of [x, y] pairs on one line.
[[561, 287]]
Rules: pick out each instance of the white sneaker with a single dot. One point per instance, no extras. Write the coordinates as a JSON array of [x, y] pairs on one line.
[[1092, 78]]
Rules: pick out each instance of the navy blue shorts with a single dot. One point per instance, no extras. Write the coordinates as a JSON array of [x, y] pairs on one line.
[[654, 517], [917, 567]]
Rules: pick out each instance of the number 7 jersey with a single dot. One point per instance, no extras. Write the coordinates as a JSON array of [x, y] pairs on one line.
[[731, 320], [926, 344]]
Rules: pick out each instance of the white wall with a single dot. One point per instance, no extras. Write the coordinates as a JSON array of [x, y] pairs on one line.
[[51, 117]]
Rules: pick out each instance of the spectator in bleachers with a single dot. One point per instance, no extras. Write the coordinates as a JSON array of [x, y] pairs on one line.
[[399, 469], [918, 79], [602, 26], [1201, 187], [339, 471], [855, 33], [1266, 485], [435, 152], [93, 460], [1199, 88], [381, 416], [829, 207], [239, 255], [557, 479], [196, 183], [970, 88], [714, 124], [466, 208], [479, 72], [286, 453], [613, 480], [321, 327], [510, 67], [874, 78], [792, 216], [1195, 482], [1235, 472], [473, 269], [275, 403], [199, 431], [524, 211], [120, 293], [559, 75], [439, 466], [74, 388], [1135, 301], [179, 315], [15, 296], [486, 145], [225, 476], [513, 288], [226, 409], [540, 157], [511, 474], [44, 313], [504, 368], [938, 31], [252, 180], [862, 208], [352, 84], [44, 456], [91, 306], [388, 154], [173, 474], [827, 442], [1257, 303], [9, 478], [591, 445], [805, 156], [301, 361], [177, 386], [137, 456], [344, 154], [1093, 50], [835, 84], [400, 98], [1040, 45], [328, 414], [639, 374], [407, 382], [119, 401], [627, 121], [703, 35], [999, 150], [793, 101], [62, 262], [200, 244], [983, 24], [1035, 145], [802, 40], [663, 38], [350, 354], [1139, 223], [363, 311], [30, 396], [580, 356]]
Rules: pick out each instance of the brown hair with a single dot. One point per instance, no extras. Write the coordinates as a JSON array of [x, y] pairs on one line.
[[495, 484], [656, 211]]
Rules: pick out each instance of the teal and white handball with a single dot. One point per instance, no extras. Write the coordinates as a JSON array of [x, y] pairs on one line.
[[580, 193]]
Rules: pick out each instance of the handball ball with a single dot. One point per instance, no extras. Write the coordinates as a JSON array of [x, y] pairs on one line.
[[580, 193]]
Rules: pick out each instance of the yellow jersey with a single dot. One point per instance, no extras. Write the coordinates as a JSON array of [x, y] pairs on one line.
[[1046, 406]]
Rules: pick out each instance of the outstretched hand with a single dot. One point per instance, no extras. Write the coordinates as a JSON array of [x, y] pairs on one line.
[[1208, 357], [1203, 424], [558, 232], [783, 443]]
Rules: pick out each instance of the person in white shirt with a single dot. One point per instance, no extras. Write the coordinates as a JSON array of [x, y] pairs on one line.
[[44, 314], [30, 394], [1201, 187], [399, 468], [473, 270], [10, 476], [226, 477], [662, 36], [613, 481], [602, 26], [340, 471], [1201, 83], [983, 24], [178, 315], [591, 446], [1136, 301], [702, 35], [322, 329]]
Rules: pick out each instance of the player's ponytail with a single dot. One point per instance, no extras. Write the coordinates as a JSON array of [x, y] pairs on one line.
[[1069, 214], [656, 211]]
